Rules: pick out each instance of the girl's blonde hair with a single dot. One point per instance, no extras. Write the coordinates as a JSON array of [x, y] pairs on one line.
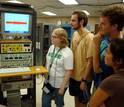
[[62, 34]]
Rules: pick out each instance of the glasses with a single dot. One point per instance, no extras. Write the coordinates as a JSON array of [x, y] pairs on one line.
[[54, 36]]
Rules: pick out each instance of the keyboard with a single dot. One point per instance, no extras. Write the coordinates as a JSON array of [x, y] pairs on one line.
[[14, 70]]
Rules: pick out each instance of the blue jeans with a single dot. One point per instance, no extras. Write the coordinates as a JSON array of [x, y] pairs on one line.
[[47, 98]]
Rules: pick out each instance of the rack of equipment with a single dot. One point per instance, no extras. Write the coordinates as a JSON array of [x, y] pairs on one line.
[[43, 41], [17, 49]]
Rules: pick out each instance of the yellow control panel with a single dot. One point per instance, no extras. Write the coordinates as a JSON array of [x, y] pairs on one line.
[[16, 48]]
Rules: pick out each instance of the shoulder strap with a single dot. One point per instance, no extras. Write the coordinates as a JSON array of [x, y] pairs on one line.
[[84, 35]]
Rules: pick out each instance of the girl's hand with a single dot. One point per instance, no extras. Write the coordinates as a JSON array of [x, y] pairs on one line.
[[61, 90]]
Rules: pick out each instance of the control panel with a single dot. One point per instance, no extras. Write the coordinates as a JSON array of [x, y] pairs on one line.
[[16, 47], [14, 60], [15, 37], [17, 85]]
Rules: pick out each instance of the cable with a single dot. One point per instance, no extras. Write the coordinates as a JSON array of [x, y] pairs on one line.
[[42, 78]]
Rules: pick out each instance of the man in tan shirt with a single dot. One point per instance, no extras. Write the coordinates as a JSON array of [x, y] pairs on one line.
[[81, 47]]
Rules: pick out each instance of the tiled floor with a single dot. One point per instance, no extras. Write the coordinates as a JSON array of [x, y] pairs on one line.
[[69, 101]]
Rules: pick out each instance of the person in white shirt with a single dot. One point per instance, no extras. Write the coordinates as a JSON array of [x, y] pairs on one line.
[[59, 63]]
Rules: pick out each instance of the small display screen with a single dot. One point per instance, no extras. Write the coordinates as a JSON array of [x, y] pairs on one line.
[[16, 23]]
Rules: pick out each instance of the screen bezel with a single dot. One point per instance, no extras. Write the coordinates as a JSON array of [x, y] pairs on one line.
[[3, 23]]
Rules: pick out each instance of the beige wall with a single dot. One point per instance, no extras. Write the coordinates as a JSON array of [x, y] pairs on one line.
[[54, 20], [65, 20]]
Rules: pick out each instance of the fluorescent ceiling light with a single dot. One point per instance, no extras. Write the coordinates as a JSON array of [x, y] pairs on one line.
[[69, 2], [14, 1], [123, 1], [86, 12], [49, 13]]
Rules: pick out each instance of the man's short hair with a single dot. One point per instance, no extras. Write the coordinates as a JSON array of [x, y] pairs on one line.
[[81, 15], [115, 15]]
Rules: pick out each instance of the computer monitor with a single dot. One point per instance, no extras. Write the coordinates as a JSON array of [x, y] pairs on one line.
[[16, 23]]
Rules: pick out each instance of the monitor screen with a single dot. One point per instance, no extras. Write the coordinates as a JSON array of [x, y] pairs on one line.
[[16, 23]]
